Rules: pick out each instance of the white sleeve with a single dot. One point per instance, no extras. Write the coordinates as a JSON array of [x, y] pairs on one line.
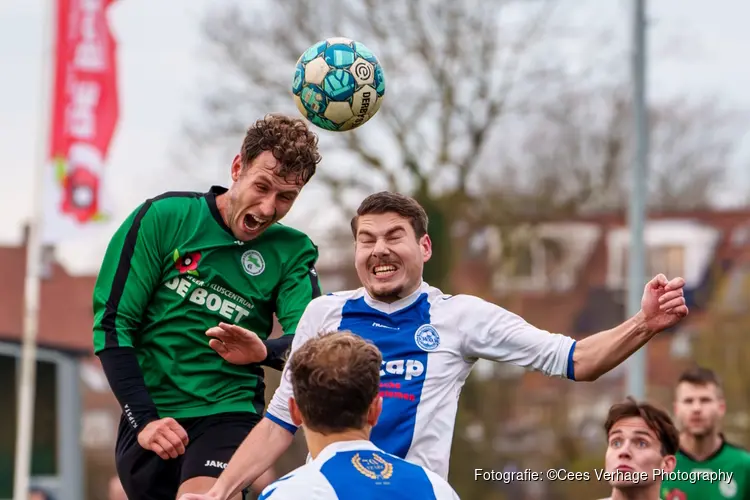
[[309, 326], [493, 333], [441, 488]]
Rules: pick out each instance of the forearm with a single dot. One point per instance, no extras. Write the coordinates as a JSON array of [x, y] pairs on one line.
[[598, 354], [126, 381], [277, 350], [260, 449]]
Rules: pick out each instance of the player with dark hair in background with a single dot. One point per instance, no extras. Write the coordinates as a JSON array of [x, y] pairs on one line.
[[182, 267], [641, 439], [699, 408]]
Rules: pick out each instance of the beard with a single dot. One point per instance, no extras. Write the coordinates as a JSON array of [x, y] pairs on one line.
[[388, 295]]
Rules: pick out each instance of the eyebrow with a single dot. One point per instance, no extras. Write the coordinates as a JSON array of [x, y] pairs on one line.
[[388, 233], [637, 432]]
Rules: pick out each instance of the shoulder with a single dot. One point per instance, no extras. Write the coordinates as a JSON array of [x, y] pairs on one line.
[[305, 481], [459, 305], [740, 452], [169, 206], [440, 485], [281, 233], [329, 303]]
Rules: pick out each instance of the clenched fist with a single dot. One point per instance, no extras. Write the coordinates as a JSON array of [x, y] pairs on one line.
[[165, 437]]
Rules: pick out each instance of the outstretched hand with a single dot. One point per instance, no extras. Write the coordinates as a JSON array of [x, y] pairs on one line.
[[237, 345], [663, 303]]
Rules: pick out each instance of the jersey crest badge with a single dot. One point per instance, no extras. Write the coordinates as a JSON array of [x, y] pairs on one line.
[[375, 467], [728, 489], [427, 338], [253, 263]]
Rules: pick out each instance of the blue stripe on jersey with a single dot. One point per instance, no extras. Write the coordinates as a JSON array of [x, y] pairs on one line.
[[571, 373], [272, 487], [369, 475], [404, 366], [278, 421]]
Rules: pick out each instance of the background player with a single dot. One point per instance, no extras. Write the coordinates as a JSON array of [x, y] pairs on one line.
[[180, 264], [430, 342], [335, 380], [640, 439], [699, 409]]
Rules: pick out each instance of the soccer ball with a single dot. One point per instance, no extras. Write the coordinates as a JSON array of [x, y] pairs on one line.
[[338, 84]]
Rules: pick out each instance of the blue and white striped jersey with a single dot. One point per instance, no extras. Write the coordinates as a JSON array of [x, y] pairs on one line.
[[359, 470], [429, 342]]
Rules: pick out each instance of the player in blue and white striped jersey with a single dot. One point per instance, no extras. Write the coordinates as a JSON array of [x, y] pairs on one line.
[[430, 342], [335, 383]]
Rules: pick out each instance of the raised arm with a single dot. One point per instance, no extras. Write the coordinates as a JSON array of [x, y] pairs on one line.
[[491, 332]]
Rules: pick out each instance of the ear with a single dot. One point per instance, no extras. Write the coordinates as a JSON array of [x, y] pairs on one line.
[[374, 412], [294, 412], [425, 244], [669, 463], [722, 406], [236, 168]]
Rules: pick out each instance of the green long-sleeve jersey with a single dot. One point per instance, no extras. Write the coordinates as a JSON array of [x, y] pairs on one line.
[[172, 271], [724, 475]]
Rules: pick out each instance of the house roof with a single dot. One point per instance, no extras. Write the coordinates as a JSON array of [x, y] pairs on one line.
[[65, 308]]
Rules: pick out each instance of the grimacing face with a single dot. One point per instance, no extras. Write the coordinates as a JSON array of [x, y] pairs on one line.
[[388, 256], [632, 449], [698, 408], [258, 197]]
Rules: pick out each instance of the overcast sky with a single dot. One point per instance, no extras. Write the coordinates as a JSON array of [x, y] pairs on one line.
[[159, 65]]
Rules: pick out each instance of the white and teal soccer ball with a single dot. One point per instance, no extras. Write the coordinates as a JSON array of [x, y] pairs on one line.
[[338, 84]]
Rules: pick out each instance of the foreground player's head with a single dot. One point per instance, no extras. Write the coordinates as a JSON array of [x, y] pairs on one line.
[[391, 245], [279, 156], [640, 439], [699, 404], [335, 381]]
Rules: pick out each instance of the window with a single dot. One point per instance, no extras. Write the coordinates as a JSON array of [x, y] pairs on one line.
[[667, 259], [44, 446]]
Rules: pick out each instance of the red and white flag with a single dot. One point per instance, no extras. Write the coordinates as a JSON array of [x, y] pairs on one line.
[[84, 116]]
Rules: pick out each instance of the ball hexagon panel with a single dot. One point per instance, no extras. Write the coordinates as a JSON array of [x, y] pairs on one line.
[[339, 56], [314, 99], [316, 70], [339, 85], [313, 52], [363, 71], [339, 112]]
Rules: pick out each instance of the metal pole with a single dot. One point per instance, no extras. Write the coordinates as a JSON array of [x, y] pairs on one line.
[[636, 373], [27, 385], [69, 415]]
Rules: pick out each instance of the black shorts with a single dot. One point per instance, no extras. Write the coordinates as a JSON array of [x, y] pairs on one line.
[[212, 441]]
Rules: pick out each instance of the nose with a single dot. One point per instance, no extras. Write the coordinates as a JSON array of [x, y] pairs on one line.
[[268, 207], [625, 452], [380, 247]]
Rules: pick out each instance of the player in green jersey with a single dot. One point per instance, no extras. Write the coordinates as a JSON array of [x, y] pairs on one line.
[[181, 265], [708, 467]]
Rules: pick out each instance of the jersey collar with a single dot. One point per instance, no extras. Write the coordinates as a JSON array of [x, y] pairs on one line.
[[712, 455], [392, 307], [214, 209], [333, 448]]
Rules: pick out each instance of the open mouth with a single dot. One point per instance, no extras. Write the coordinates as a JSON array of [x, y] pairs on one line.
[[253, 224], [384, 271]]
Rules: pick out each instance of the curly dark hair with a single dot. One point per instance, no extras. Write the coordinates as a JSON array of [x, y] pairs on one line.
[[290, 141], [335, 378], [656, 419]]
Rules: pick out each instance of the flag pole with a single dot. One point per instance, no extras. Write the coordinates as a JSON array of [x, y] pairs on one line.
[[32, 285]]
